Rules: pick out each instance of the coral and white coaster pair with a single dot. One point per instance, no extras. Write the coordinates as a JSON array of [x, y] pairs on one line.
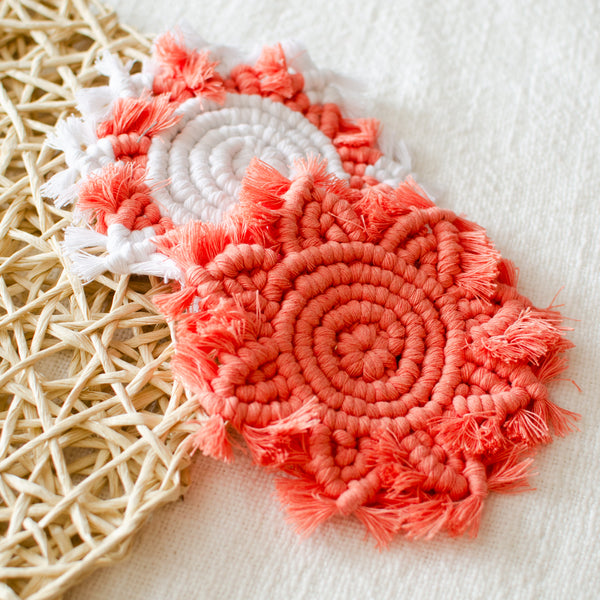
[[370, 346]]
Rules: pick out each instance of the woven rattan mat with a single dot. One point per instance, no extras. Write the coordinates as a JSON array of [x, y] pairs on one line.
[[90, 419]]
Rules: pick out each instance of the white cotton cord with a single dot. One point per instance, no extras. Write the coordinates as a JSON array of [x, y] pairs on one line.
[[387, 171], [205, 156], [226, 56], [321, 85], [159, 266], [393, 167], [87, 266], [402, 155], [95, 104], [76, 136], [84, 153], [126, 252], [131, 246], [191, 38], [149, 70], [324, 86], [190, 108], [63, 186], [195, 168], [297, 56], [120, 82], [70, 135], [78, 238], [391, 144]]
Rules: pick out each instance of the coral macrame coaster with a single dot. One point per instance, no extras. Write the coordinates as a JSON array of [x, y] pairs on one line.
[[364, 342], [371, 346]]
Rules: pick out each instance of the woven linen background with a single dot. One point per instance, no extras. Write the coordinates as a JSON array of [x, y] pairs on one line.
[[499, 105]]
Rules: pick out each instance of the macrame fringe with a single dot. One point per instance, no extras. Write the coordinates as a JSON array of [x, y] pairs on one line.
[[70, 136], [78, 238], [145, 116], [315, 167], [382, 207], [273, 444], [202, 336], [510, 473], [306, 505], [560, 419], [422, 519], [118, 188], [508, 274], [96, 104], [226, 56], [405, 508], [528, 427], [404, 480], [212, 325], [425, 519], [357, 133], [61, 188], [473, 433], [484, 432], [260, 198], [212, 439], [382, 523], [184, 72], [530, 337], [466, 516], [395, 149], [324, 86], [479, 264], [177, 302], [196, 243], [274, 75], [87, 266], [554, 363]]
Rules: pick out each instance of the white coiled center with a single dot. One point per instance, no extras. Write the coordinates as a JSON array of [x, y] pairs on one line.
[[204, 157]]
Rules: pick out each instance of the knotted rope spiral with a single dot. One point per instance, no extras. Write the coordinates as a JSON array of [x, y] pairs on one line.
[[205, 156], [369, 344]]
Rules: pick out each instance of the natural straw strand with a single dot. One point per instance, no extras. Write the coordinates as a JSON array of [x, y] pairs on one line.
[[90, 419]]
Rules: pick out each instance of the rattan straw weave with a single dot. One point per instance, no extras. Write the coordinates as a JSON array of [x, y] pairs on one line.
[[90, 419]]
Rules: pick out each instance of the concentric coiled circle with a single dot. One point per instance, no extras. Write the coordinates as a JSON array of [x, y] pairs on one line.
[[205, 157], [372, 346], [367, 340]]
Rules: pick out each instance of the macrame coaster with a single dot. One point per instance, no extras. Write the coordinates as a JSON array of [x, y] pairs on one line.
[[171, 144], [369, 345], [90, 421]]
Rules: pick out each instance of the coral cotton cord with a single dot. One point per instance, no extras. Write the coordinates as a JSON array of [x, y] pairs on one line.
[[369, 345]]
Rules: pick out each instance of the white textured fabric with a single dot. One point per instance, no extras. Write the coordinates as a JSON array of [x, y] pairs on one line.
[[499, 104]]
